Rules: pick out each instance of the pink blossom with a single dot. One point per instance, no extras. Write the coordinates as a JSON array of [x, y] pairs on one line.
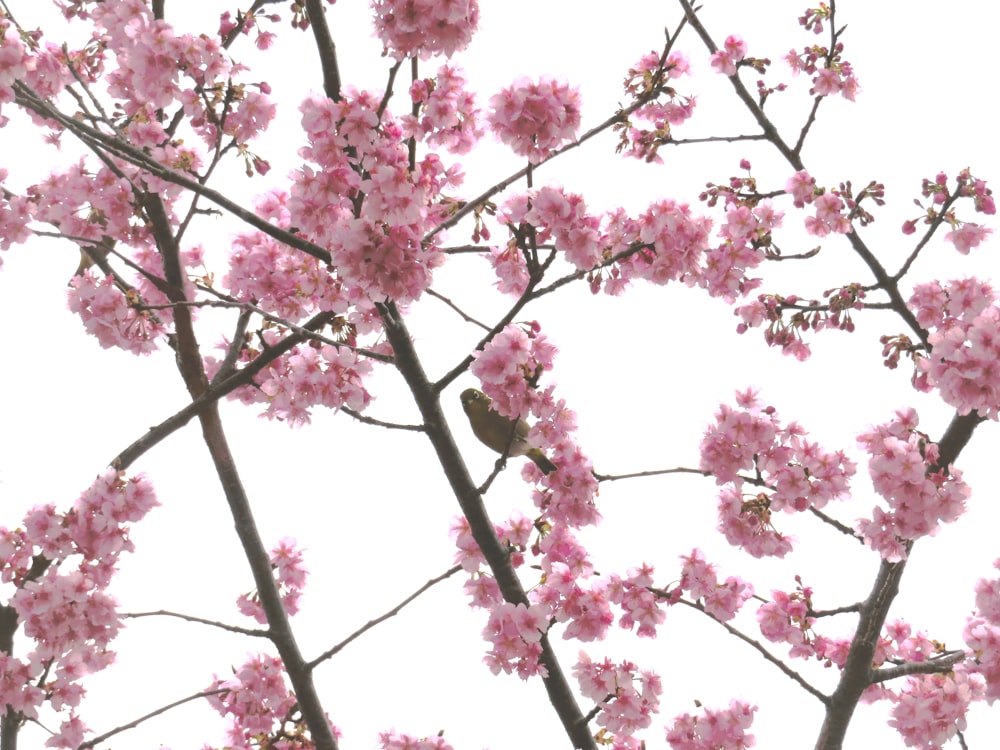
[[534, 119], [256, 699], [514, 632], [17, 685], [786, 619], [70, 735], [714, 729], [628, 697], [396, 741], [803, 474], [801, 187], [967, 236], [931, 709], [306, 377], [983, 639], [290, 576], [919, 499], [448, 115], [724, 60], [107, 314], [422, 28]]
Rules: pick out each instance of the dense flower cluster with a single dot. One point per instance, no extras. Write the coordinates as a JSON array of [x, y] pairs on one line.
[[108, 316], [921, 495], [304, 377], [422, 28], [256, 700], [626, 695], [982, 635], [721, 600], [380, 253], [803, 475], [448, 115], [665, 243], [963, 317], [714, 729], [931, 709], [64, 608], [534, 119]]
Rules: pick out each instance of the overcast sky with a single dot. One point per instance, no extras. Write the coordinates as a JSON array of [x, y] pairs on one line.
[[644, 372]]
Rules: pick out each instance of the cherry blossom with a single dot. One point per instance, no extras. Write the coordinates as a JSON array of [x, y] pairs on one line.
[[534, 119]]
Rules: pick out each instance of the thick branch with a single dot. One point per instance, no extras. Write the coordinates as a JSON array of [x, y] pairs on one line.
[[426, 397], [326, 47]]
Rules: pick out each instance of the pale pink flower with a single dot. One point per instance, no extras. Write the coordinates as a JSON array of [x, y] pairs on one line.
[[967, 236], [534, 119], [422, 28]]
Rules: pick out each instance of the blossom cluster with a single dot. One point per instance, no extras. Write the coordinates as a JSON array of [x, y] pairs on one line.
[[665, 243], [627, 696], [905, 472], [397, 741], [722, 600], [798, 473], [533, 118], [724, 60], [289, 576], [811, 315], [787, 618], [380, 253], [646, 82], [745, 234], [423, 28], [831, 74], [714, 729], [829, 204], [448, 114], [62, 565], [256, 700], [932, 708], [107, 315], [963, 317], [509, 368], [982, 635], [305, 377]]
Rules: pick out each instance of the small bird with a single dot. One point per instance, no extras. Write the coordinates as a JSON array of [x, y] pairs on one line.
[[498, 432]]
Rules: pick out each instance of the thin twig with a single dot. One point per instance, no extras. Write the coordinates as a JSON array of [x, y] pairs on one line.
[[136, 722], [824, 699], [381, 618], [255, 632]]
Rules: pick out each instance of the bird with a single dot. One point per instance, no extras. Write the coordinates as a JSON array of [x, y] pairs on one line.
[[500, 433]]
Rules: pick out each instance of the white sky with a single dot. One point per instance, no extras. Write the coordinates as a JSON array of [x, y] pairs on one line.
[[644, 372]]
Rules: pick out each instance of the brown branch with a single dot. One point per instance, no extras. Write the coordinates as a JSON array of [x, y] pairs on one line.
[[255, 632], [136, 722], [427, 398], [788, 671], [381, 618], [936, 665], [465, 316], [326, 47], [94, 138], [650, 473]]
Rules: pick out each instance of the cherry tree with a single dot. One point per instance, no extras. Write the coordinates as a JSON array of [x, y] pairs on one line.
[[340, 276]]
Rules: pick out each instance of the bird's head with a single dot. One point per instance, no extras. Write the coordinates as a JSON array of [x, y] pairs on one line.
[[473, 396]]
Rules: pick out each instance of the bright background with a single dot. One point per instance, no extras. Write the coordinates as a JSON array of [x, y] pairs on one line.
[[645, 374]]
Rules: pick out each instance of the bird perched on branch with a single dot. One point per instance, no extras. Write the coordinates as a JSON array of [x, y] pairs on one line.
[[500, 433]]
